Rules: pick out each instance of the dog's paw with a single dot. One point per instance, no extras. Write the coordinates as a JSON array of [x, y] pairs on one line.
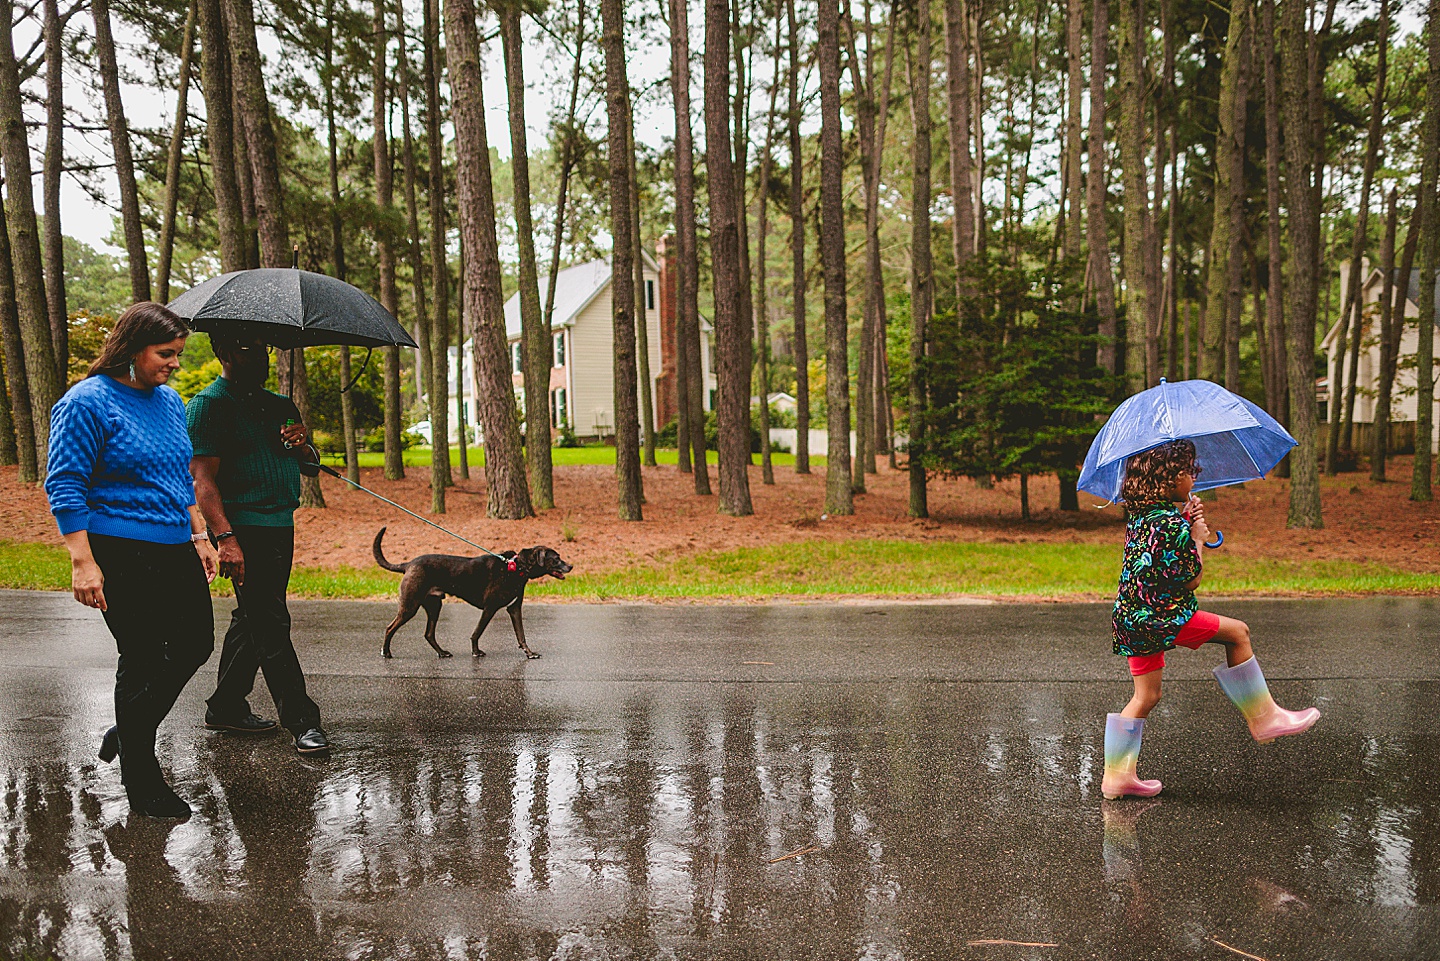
[[445, 653], [477, 653], [531, 656], [387, 655]]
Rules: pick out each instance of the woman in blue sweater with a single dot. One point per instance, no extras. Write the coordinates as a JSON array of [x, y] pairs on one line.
[[119, 484]]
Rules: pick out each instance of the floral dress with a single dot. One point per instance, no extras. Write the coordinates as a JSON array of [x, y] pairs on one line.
[[1153, 602]]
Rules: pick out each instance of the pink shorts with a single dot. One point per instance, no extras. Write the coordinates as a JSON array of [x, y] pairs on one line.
[[1201, 627]]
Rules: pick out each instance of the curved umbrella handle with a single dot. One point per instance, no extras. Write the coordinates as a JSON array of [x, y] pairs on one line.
[[1219, 540]]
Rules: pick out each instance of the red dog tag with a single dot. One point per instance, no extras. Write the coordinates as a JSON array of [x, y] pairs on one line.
[[510, 564]]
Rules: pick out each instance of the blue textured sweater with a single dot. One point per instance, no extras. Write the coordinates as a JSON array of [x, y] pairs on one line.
[[120, 462]]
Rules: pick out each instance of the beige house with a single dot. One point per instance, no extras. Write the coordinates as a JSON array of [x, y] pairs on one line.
[[582, 355], [1402, 406]]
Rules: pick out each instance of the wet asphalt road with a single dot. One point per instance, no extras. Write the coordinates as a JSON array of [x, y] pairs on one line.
[[627, 795]]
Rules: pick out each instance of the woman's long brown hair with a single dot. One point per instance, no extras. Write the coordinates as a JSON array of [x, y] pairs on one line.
[[140, 326], [1150, 475]]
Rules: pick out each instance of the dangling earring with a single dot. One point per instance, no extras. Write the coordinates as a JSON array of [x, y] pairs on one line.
[[132, 371]]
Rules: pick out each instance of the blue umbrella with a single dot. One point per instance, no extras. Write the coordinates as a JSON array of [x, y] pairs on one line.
[[1235, 441]]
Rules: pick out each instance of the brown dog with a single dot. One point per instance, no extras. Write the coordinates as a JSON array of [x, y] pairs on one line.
[[487, 582]]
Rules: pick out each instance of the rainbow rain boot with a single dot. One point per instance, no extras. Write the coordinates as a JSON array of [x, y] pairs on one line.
[[1122, 750], [1246, 688]]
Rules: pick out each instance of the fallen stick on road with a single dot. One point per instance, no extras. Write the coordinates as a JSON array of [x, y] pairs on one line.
[[1019, 944], [794, 854], [1243, 954]]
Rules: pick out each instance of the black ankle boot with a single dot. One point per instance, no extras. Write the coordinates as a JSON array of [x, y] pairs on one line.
[[158, 801], [110, 745]]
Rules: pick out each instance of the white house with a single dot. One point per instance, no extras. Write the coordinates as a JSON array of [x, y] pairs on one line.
[[1402, 405], [582, 382]]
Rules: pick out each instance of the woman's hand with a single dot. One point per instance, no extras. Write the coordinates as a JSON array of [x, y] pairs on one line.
[[209, 557], [87, 582]]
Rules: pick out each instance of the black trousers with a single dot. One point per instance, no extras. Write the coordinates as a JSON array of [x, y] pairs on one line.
[[259, 635], [158, 609]]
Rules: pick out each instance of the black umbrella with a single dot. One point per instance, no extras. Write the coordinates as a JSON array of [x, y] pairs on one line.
[[290, 308]]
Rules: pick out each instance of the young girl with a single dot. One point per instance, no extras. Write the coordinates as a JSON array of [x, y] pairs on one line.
[[1155, 610]]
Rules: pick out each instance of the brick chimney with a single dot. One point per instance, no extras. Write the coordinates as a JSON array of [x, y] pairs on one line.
[[667, 405]]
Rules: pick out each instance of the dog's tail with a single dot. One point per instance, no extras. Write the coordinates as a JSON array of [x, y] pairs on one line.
[[380, 555]]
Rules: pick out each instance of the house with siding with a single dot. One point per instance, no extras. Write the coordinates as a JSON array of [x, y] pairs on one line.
[[582, 380], [1403, 403]]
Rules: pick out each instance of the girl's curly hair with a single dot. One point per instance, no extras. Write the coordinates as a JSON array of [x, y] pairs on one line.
[[1150, 475]]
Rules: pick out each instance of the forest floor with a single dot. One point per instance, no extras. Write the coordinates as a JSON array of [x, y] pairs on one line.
[[1375, 539]]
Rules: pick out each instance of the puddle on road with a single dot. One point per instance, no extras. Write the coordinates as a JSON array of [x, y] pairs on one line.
[[643, 821]]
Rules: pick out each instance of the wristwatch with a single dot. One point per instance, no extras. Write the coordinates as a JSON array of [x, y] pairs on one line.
[[198, 537], [221, 536]]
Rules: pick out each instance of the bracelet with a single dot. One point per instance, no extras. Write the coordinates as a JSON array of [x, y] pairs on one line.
[[200, 536], [220, 537]]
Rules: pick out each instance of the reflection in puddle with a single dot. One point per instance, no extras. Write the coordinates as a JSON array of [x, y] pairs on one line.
[[577, 821]]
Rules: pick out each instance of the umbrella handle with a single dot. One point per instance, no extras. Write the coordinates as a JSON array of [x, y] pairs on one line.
[[1219, 540]]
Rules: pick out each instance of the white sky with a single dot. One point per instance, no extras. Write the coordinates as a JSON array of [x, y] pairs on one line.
[[547, 76]]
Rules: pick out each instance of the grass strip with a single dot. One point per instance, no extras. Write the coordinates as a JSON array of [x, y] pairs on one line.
[[821, 568]]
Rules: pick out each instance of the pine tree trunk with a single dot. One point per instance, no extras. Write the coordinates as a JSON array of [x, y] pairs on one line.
[[1279, 402], [921, 291], [687, 309], [622, 267], [801, 346], [54, 164], [385, 246], [741, 41], [864, 93], [175, 155], [645, 383], [439, 366], [463, 450], [535, 352], [873, 119], [957, 51], [337, 242], [259, 135], [732, 324], [508, 495], [1420, 478], [1234, 268], [34, 316], [1304, 228], [1074, 31], [838, 498], [22, 416], [1352, 311], [1226, 196], [1096, 229], [1398, 324], [1140, 296], [220, 133], [1380, 423], [674, 252], [439, 334], [1172, 275], [762, 228], [244, 180], [120, 145], [245, 177], [567, 163]]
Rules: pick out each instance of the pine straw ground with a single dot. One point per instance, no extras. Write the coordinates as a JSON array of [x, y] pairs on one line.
[[1375, 539]]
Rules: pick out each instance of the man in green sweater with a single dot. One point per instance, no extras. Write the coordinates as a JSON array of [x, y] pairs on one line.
[[247, 484]]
